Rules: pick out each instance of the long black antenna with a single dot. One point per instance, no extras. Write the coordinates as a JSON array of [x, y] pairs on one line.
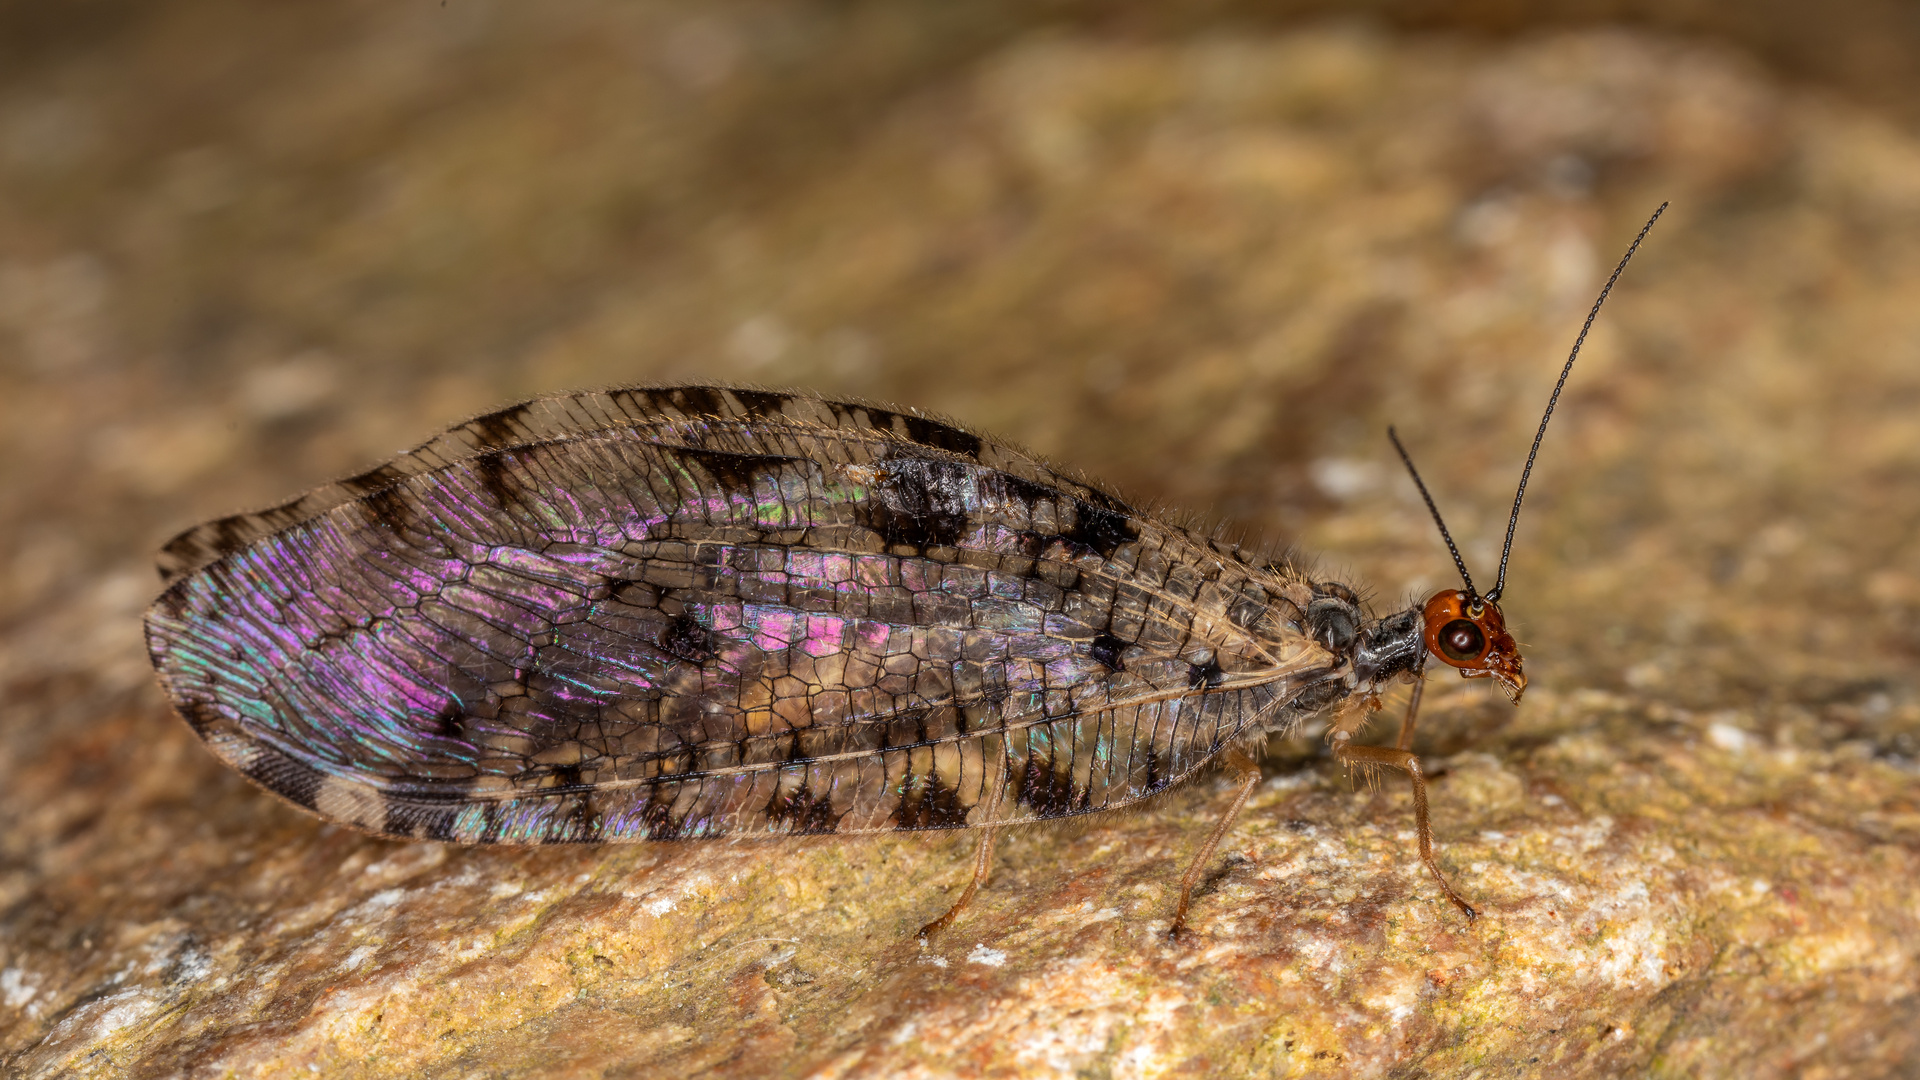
[[1513, 520], [1435, 511]]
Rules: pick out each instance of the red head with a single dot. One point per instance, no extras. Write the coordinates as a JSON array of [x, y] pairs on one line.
[[1468, 632]]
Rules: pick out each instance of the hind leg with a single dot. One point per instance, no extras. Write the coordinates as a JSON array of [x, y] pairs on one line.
[[1247, 774]]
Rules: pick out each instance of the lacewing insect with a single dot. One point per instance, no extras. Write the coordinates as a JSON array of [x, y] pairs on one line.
[[665, 613]]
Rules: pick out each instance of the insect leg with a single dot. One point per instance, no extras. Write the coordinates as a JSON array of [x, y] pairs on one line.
[[982, 858], [1247, 773], [1405, 741], [982, 867], [1409, 763]]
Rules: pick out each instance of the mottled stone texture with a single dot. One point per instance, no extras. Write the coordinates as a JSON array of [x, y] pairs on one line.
[[246, 251]]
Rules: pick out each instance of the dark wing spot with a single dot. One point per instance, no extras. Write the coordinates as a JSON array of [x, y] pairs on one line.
[[926, 803], [426, 813], [1049, 793], [1155, 779], [1207, 675], [493, 821], [1022, 492], [296, 782], [438, 823], [449, 723], [177, 554], [919, 503], [802, 812], [496, 477], [387, 509], [657, 818], [1100, 529], [1107, 502], [759, 403], [373, 479], [940, 436], [228, 536], [200, 715], [733, 473], [1106, 649], [499, 429], [699, 400], [633, 593], [685, 639]]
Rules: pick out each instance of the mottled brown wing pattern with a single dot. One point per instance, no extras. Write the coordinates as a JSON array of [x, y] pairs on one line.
[[736, 419], [750, 616]]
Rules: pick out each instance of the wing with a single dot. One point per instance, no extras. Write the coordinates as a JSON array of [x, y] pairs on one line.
[[726, 624], [733, 419]]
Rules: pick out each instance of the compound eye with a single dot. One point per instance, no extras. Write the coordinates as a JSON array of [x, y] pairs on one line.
[[1462, 641]]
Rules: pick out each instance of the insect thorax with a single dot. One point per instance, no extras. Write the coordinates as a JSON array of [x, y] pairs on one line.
[[1375, 651]]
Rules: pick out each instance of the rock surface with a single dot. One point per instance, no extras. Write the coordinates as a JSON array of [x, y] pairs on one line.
[[1209, 270]]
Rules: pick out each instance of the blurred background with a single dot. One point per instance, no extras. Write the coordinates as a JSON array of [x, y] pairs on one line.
[[1205, 251]]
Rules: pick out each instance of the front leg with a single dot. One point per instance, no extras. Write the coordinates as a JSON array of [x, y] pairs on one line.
[[1405, 760]]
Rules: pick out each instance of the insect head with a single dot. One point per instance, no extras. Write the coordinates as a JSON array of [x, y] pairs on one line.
[[1463, 628]]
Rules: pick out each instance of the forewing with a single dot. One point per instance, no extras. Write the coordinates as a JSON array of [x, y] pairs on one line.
[[624, 635], [730, 419]]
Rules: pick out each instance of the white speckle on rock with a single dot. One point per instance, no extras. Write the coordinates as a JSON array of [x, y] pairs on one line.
[[123, 1010], [990, 957], [1729, 738], [1345, 478], [1398, 996], [657, 908], [382, 900], [359, 956], [192, 965], [17, 987], [1586, 836]]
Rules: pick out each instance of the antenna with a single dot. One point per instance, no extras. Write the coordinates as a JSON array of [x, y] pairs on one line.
[[1513, 520], [1472, 595]]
